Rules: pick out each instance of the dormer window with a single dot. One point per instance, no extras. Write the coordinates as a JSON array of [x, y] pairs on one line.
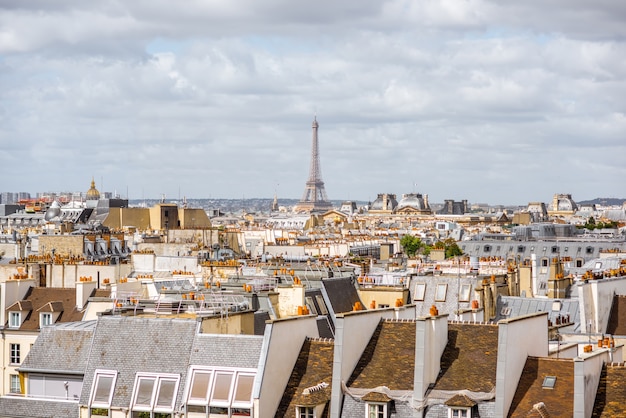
[[15, 319], [305, 412], [376, 410], [45, 319], [460, 412]]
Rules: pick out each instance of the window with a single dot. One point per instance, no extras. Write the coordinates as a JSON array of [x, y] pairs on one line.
[[376, 410], [102, 389], [505, 311], [45, 319], [487, 248], [420, 291], [464, 294], [14, 354], [15, 384], [442, 289], [549, 382], [221, 391], [305, 412], [155, 393], [15, 319], [310, 305], [544, 262], [321, 304], [521, 248], [555, 250], [460, 413]]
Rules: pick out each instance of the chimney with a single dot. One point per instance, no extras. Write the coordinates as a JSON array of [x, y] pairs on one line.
[[83, 291], [541, 408]]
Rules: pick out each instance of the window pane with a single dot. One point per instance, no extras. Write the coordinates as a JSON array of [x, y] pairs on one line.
[[165, 398], [243, 393], [222, 387], [103, 389], [144, 392], [200, 386]]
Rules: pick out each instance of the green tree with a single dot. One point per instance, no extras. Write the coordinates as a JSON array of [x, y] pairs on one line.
[[411, 244]]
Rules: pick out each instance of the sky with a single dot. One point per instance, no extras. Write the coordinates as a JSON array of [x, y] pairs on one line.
[[499, 102]]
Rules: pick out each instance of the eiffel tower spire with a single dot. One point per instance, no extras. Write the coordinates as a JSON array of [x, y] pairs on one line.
[[314, 197]]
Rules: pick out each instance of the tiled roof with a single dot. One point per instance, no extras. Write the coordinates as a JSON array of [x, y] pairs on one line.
[[617, 318], [558, 401], [312, 370], [35, 408], [389, 358], [469, 359], [60, 349], [451, 301], [520, 306], [21, 305], [341, 293], [64, 301], [225, 350], [611, 396], [460, 400], [135, 344]]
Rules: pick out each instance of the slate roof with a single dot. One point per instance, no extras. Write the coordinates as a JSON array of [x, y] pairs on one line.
[[520, 306], [341, 293], [60, 349], [135, 344], [451, 302], [226, 350], [313, 367], [32, 408], [63, 299], [559, 401], [611, 396], [617, 317], [469, 358], [389, 358]]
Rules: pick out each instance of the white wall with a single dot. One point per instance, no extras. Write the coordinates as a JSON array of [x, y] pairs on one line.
[[10, 292], [587, 372], [596, 299], [353, 331], [431, 337], [514, 346], [282, 343]]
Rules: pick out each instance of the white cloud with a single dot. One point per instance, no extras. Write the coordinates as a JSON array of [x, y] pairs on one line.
[[478, 100]]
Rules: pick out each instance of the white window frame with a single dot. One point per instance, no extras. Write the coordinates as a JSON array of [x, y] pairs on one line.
[[45, 319], [15, 353], [14, 384], [420, 291], [99, 373], [461, 412], [305, 412], [377, 412], [464, 293], [15, 319], [207, 401], [442, 292], [158, 379]]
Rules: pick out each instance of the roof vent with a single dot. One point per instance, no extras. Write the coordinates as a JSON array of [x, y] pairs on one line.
[[541, 408], [315, 388]]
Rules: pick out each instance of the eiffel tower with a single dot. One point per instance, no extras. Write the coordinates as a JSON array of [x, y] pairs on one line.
[[314, 198]]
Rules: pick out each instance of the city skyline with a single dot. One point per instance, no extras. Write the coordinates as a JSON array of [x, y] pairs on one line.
[[477, 100]]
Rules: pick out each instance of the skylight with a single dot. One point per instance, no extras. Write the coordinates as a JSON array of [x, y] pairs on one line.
[[549, 382]]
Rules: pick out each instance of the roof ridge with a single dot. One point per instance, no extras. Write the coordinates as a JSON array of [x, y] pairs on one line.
[[320, 339]]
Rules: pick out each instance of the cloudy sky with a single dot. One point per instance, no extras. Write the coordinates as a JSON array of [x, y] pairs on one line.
[[490, 101]]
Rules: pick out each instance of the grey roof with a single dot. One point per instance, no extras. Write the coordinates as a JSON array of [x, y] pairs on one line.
[[36, 408], [226, 350], [62, 349], [521, 306], [133, 344], [341, 293], [451, 302], [510, 248]]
